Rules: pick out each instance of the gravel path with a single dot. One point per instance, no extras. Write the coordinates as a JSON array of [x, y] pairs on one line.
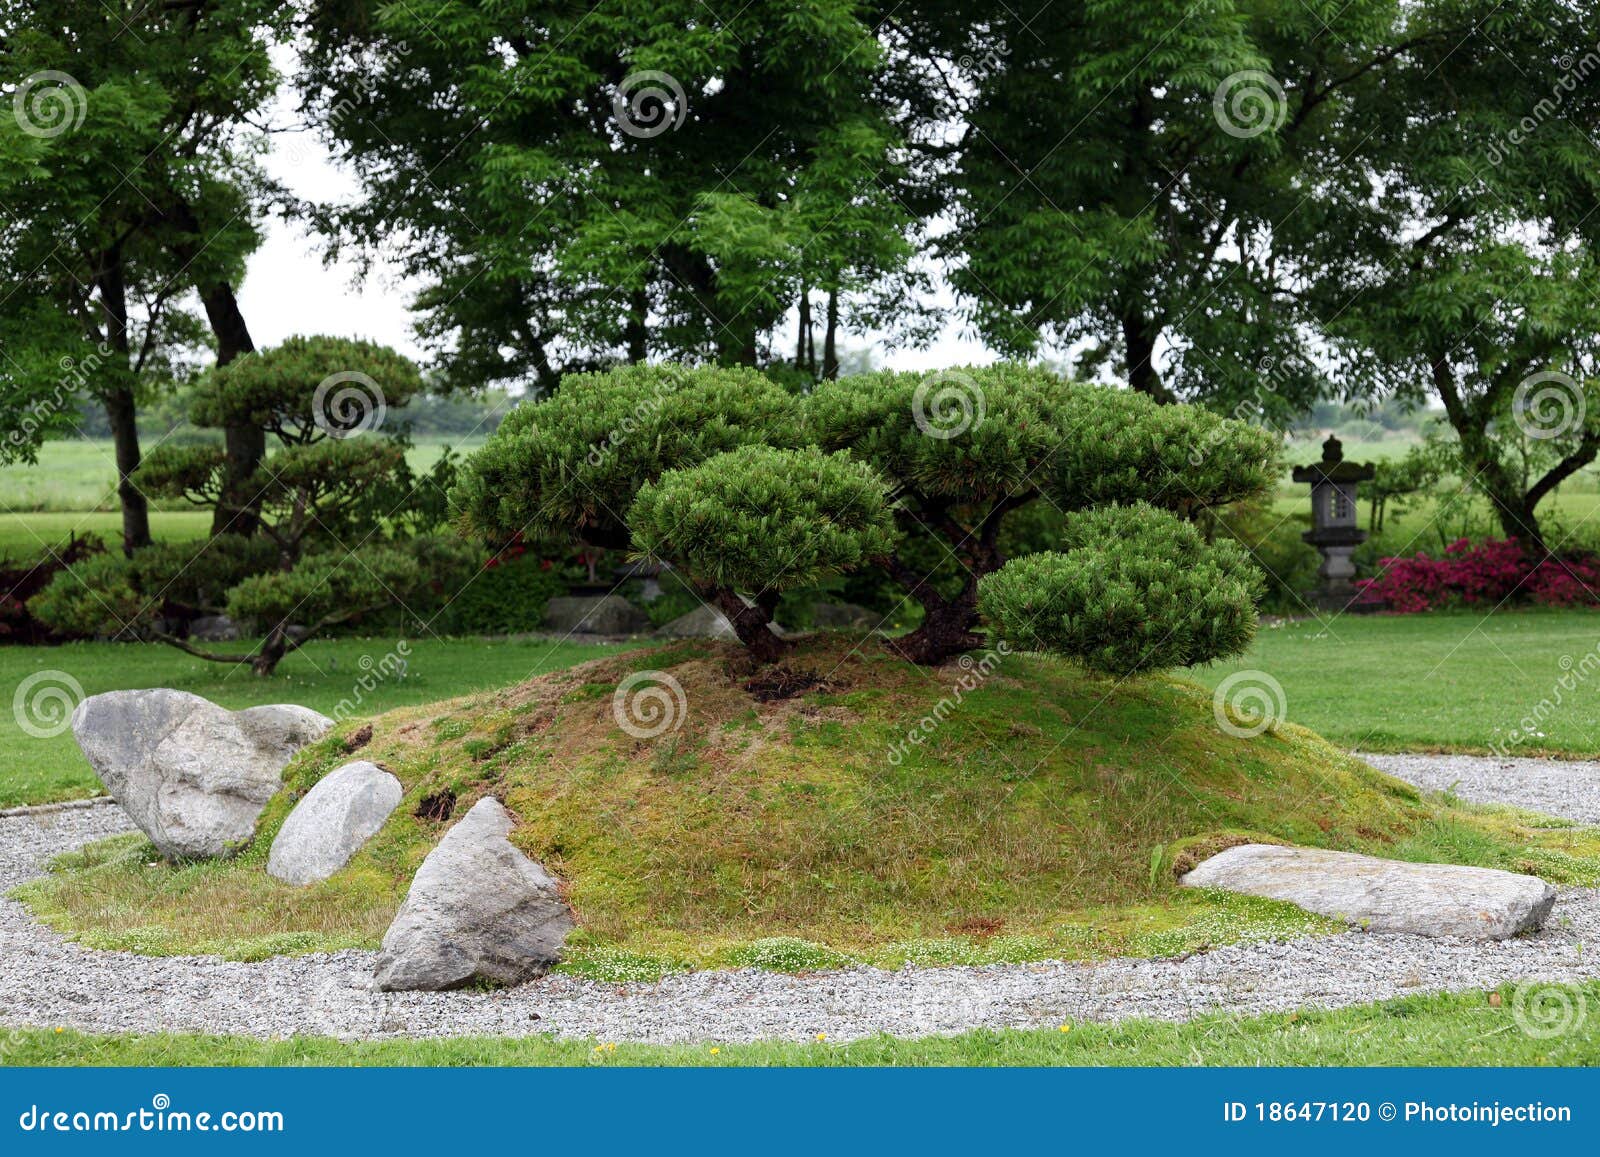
[[1556, 787], [47, 981]]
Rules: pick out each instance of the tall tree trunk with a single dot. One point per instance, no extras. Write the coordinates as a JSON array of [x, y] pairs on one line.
[[121, 407], [830, 338], [638, 311], [1139, 339], [802, 337], [244, 446]]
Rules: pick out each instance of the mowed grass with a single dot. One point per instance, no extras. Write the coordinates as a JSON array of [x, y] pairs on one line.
[[1446, 681], [322, 675], [79, 475], [1045, 814], [1464, 1029], [28, 537]]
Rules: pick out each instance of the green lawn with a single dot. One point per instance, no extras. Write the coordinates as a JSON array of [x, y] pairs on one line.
[[1464, 1029], [37, 770], [80, 474], [1458, 681]]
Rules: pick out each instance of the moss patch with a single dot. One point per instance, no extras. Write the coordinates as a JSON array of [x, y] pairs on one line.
[[1040, 812]]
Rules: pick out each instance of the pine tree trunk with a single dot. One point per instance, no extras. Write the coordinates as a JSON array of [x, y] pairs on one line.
[[121, 407], [244, 446], [830, 348]]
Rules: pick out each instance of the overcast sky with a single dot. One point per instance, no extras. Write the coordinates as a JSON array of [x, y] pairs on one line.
[[288, 290]]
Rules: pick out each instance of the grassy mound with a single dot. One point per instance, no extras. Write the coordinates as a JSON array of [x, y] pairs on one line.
[[789, 822]]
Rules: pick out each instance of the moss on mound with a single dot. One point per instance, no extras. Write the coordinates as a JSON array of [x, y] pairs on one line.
[[851, 808]]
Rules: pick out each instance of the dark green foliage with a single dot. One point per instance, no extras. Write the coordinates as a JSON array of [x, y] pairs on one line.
[[760, 519], [503, 599], [1136, 589], [570, 465]]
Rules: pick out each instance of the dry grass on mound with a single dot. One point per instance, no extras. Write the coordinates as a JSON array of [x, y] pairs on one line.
[[1042, 814]]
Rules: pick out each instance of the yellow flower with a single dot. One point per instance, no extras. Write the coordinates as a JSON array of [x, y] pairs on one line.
[[715, 1050], [822, 1036], [61, 1029], [1066, 1028]]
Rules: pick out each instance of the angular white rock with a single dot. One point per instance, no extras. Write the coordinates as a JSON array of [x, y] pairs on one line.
[[1383, 895], [337, 816], [477, 909], [192, 775]]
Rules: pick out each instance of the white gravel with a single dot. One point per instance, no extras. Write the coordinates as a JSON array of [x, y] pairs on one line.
[[47, 981], [1566, 788]]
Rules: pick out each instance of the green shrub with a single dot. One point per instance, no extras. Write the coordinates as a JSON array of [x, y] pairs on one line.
[[1135, 589], [759, 521], [571, 465], [503, 599]]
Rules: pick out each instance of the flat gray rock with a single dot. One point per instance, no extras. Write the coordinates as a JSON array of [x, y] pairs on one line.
[[1383, 895], [704, 622], [337, 816], [595, 615], [192, 775], [477, 910]]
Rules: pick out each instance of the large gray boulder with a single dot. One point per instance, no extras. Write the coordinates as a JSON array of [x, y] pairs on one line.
[[337, 816], [844, 617], [1383, 895], [595, 615], [478, 909], [192, 775]]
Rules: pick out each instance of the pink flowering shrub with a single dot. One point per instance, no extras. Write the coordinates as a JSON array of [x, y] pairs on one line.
[[1492, 572]]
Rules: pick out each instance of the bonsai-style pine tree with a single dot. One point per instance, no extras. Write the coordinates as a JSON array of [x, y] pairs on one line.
[[964, 448], [569, 466], [1132, 589], [747, 525], [332, 503]]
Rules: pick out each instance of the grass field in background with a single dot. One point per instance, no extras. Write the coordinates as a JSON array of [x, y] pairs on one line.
[[1461, 1029], [34, 770], [80, 474], [1458, 681]]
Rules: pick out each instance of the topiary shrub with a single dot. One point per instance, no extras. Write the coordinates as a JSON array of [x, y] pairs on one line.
[[333, 512], [758, 521], [570, 466], [965, 448], [1134, 589]]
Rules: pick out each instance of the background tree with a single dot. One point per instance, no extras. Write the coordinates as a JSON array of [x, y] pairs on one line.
[[131, 185], [579, 186]]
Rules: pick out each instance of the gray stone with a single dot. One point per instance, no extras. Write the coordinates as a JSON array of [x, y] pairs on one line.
[[192, 775], [478, 909], [844, 617], [595, 615], [1384, 895], [337, 816], [704, 622], [214, 629]]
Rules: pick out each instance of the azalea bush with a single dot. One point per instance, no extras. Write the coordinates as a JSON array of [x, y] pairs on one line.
[[1489, 573]]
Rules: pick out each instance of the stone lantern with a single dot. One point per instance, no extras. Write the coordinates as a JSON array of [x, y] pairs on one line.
[[1333, 521]]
